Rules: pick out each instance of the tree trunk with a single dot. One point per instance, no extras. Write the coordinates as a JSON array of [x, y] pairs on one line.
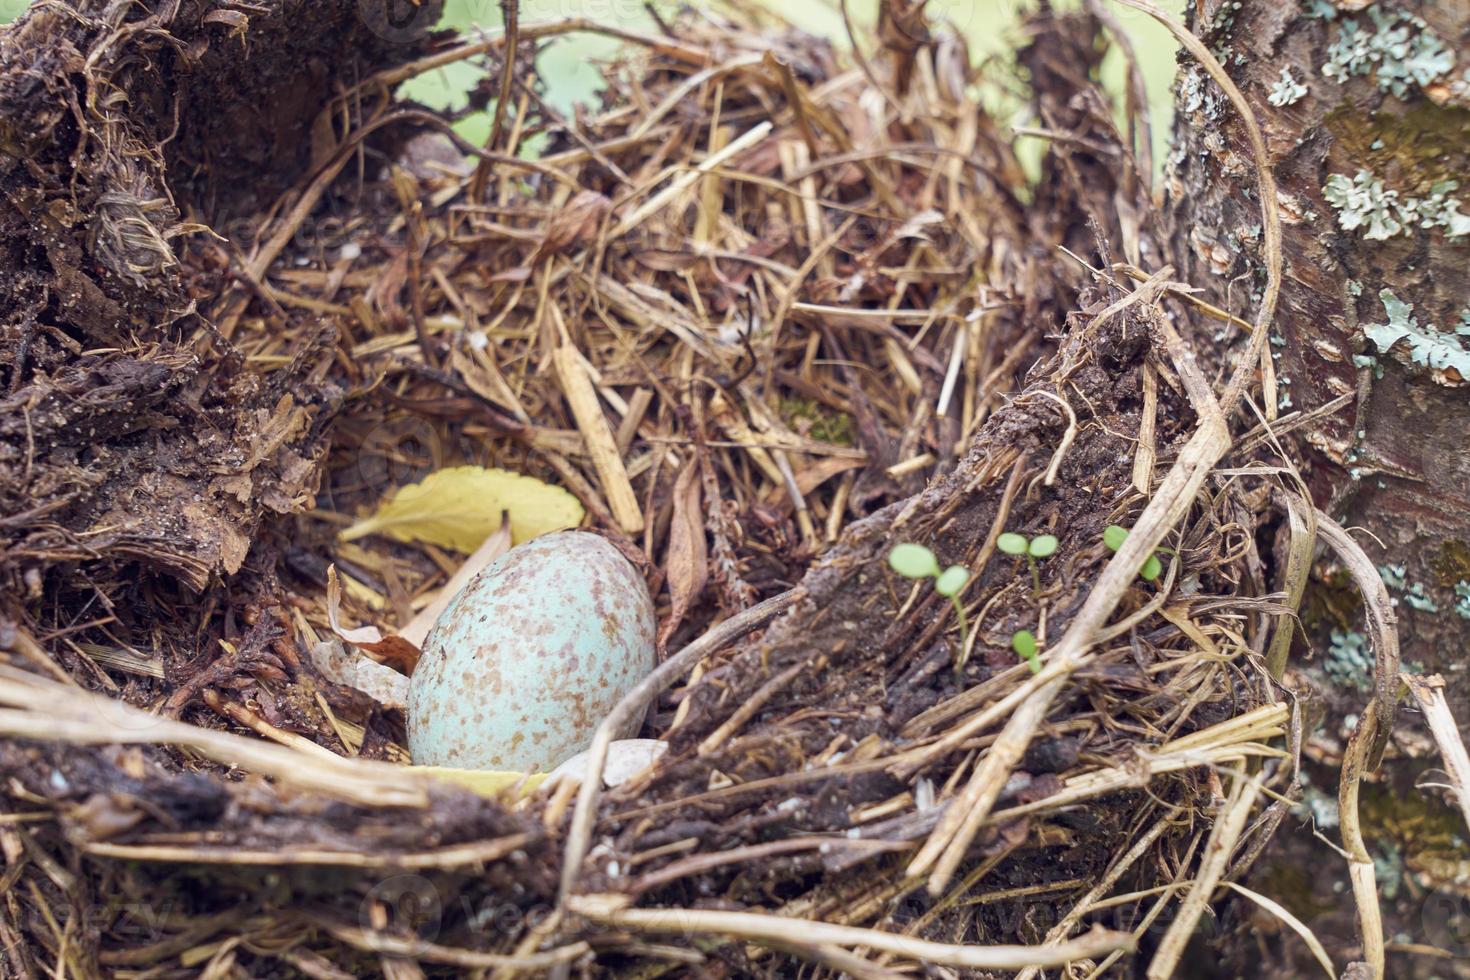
[[1365, 116]]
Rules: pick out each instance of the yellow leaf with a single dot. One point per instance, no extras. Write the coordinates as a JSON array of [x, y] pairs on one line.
[[486, 783], [460, 507]]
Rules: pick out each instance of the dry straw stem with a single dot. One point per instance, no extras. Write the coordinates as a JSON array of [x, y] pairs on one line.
[[389, 78], [1218, 745], [1227, 743], [1301, 521], [469, 959], [1428, 694], [805, 935], [1165, 895], [1365, 747], [1147, 455], [685, 180], [478, 853], [47, 711], [598, 436]]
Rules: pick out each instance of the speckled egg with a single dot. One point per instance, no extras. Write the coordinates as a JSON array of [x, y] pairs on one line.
[[530, 657]]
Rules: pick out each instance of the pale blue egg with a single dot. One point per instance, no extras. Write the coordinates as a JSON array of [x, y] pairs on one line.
[[532, 654]]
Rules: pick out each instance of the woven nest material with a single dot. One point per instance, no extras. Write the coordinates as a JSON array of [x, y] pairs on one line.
[[825, 311]]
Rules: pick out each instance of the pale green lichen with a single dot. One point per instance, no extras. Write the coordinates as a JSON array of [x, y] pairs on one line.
[[1418, 599], [1441, 209], [1388, 868], [1394, 576], [1197, 94], [1362, 201], [1462, 599], [1321, 808], [1349, 661], [1221, 27], [1427, 346], [1287, 90], [1399, 50]]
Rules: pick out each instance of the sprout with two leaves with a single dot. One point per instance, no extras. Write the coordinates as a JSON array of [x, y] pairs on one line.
[[1114, 535], [916, 561], [1041, 546], [1024, 643]]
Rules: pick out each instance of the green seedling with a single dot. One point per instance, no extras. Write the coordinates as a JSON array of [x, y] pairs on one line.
[[1041, 546], [1024, 643], [1114, 536], [916, 561]]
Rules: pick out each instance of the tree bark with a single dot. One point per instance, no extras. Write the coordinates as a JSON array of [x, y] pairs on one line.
[[1364, 110]]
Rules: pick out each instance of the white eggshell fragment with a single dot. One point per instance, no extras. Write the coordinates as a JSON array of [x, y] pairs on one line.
[[533, 653], [626, 758]]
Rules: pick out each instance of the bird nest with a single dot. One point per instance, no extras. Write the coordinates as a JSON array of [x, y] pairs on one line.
[[822, 309]]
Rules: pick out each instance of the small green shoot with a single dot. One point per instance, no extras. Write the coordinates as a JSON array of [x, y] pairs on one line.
[[916, 561], [951, 581], [1024, 643], [1114, 536], [1041, 546], [913, 561]]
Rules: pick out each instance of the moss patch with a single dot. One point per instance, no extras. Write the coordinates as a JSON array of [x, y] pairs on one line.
[[1422, 835], [1331, 603], [807, 417], [1413, 151], [1452, 564], [1292, 886]]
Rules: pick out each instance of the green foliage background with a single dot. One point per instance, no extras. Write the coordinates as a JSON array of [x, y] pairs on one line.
[[991, 27]]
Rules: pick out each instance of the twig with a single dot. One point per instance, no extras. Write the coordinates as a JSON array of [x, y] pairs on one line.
[[691, 176], [1370, 736], [420, 949], [1428, 693], [803, 934], [47, 711], [1110, 878], [478, 853]]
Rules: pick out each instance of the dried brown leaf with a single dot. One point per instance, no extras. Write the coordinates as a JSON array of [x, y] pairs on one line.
[[575, 224], [392, 650], [687, 565]]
